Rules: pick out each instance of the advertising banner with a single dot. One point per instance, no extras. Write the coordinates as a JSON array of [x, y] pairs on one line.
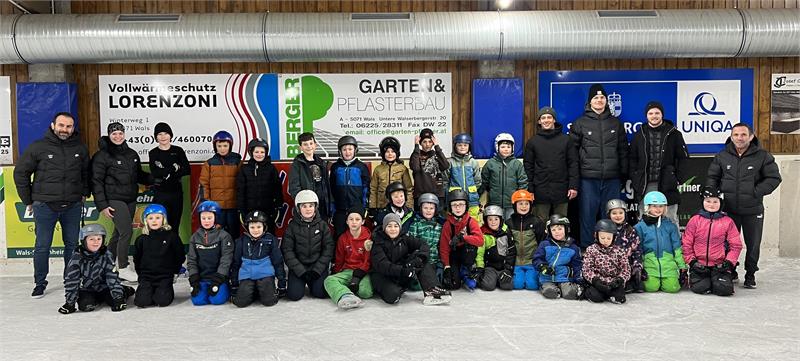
[[6, 151], [785, 115]]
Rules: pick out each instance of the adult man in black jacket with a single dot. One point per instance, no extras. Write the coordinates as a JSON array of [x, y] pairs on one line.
[[59, 163], [603, 153], [116, 175], [551, 163], [657, 159], [745, 173]]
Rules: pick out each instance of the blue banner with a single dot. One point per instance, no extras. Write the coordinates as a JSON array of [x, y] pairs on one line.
[[704, 104], [497, 107], [37, 104]]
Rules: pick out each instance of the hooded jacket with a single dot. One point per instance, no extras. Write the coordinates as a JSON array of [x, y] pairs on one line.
[[430, 171], [210, 252], [499, 250], [430, 231], [60, 170], [452, 228], [661, 244], [551, 165], [301, 178], [601, 143], [627, 239], [501, 177], [159, 255], [384, 174], [389, 256], [564, 257], [605, 263], [349, 184], [673, 161], [744, 180], [711, 238], [527, 230], [258, 187], [218, 179], [307, 246], [91, 271], [116, 173], [257, 258], [465, 174], [353, 252]]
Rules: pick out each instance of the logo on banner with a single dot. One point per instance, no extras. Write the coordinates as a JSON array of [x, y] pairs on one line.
[[615, 103], [701, 102], [308, 99], [707, 110]]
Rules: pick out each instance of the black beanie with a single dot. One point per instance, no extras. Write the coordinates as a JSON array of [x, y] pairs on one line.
[[596, 89], [426, 133], [162, 127], [547, 110], [653, 104], [115, 126]]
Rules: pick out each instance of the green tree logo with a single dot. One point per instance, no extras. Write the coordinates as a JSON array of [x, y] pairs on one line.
[[317, 99]]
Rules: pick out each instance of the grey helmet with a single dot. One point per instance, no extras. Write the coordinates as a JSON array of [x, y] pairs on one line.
[[94, 229], [429, 198], [614, 204], [492, 211]]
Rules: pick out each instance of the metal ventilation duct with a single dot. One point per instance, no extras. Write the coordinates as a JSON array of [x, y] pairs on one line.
[[282, 37]]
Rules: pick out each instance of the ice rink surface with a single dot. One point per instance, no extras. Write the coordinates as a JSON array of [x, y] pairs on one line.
[[762, 324]]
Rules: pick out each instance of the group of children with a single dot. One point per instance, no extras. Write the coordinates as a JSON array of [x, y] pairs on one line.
[[443, 244]]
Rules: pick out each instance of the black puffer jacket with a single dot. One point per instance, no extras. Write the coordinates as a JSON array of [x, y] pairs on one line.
[[116, 173], [744, 180], [60, 170], [673, 161], [307, 246], [551, 163], [258, 187], [602, 145], [389, 256]]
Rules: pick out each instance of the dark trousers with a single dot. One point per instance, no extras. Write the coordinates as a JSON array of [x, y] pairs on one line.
[[751, 227], [154, 292], [229, 220], [45, 218], [173, 202], [460, 256], [120, 241], [491, 280], [711, 281], [262, 290], [598, 295], [391, 288], [339, 223], [296, 287], [593, 197], [90, 300]]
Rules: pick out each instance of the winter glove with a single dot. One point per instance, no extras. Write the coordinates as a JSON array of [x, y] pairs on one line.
[[417, 262], [67, 308], [310, 276], [616, 282], [644, 275], [726, 267], [447, 277], [505, 276], [455, 240], [216, 281], [118, 304], [683, 278], [477, 273], [194, 282], [545, 269], [353, 285], [600, 285], [281, 290], [697, 267]]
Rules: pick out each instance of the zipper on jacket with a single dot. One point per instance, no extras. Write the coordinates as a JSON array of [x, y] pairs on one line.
[[602, 148], [658, 249], [708, 239], [555, 261], [503, 185], [646, 165]]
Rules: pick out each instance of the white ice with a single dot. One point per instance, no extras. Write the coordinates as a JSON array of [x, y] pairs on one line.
[[762, 324]]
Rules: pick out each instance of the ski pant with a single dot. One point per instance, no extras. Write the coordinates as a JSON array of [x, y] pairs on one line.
[[542, 210], [634, 284], [594, 195], [172, 200], [262, 290], [390, 288], [565, 290], [90, 300], [296, 287], [336, 285], [204, 298], [526, 277], [711, 281], [491, 280], [120, 241], [599, 295], [666, 284], [462, 256], [751, 227], [152, 292]]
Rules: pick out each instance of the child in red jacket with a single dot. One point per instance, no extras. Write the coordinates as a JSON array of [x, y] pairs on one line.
[[458, 245], [350, 282], [711, 247]]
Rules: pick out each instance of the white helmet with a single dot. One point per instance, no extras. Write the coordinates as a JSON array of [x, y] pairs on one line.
[[503, 137], [306, 196]]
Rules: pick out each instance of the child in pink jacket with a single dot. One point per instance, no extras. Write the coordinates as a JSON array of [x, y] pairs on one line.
[[711, 247]]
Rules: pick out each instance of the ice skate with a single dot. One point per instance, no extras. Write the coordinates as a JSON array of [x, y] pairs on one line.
[[436, 296], [349, 301]]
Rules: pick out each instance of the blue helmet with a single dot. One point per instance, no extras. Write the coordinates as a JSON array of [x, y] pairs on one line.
[[462, 138], [655, 198], [222, 136], [154, 208], [210, 206]]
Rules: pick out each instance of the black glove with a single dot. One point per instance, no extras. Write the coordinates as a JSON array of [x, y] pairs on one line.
[[447, 277], [416, 262], [726, 267], [194, 283], [505, 275], [353, 285], [600, 285], [545, 269], [616, 282], [118, 304], [216, 281], [696, 266], [67, 308], [644, 275], [281, 290], [476, 273], [683, 278], [310, 276], [455, 240]]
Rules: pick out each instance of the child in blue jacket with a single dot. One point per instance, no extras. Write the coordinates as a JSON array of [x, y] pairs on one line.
[[257, 261], [558, 260]]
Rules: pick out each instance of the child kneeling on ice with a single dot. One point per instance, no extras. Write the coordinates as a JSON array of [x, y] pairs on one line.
[[558, 260], [711, 246], [627, 239], [458, 246], [605, 265], [350, 282], [158, 257], [90, 276], [307, 248], [257, 261], [397, 260], [495, 260], [527, 230], [661, 243], [209, 261]]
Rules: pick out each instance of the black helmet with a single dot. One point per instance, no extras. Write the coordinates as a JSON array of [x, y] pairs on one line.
[[393, 187], [256, 216], [557, 219], [257, 142], [605, 225], [457, 195], [709, 191], [389, 142], [345, 140]]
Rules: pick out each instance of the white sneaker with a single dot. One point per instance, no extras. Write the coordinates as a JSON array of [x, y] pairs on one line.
[[349, 301], [128, 274]]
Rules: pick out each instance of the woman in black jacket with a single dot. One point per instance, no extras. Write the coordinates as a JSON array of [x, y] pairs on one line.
[[116, 175], [258, 186]]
